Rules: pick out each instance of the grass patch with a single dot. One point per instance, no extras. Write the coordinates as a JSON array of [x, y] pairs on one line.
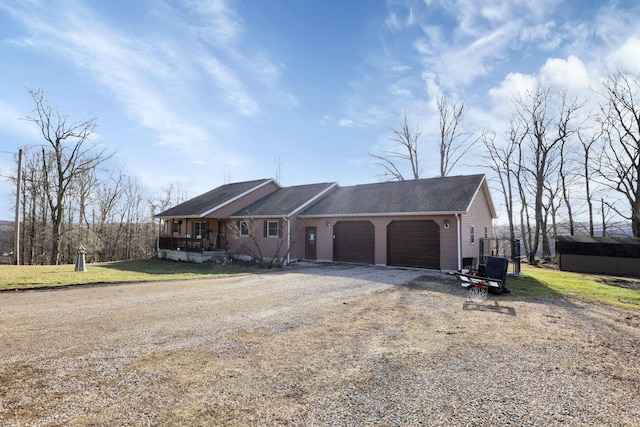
[[535, 282], [549, 283], [40, 276]]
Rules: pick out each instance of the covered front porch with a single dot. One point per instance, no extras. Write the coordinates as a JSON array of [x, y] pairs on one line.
[[187, 244], [192, 239], [197, 257]]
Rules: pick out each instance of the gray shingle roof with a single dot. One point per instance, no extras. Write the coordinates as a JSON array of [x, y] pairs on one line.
[[444, 194], [624, 247], [284, 201], [216, 198]]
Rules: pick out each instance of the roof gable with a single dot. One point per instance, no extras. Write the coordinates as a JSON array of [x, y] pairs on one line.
[[423, 196], [210, 201], [484, 186], [286, 201]]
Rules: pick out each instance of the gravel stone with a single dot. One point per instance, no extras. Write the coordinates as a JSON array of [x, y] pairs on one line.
[[317, 345]]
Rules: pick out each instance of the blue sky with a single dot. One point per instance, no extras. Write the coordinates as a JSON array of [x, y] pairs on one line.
[[198, 93]]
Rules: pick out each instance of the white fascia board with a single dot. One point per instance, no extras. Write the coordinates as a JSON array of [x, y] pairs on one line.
[[369, 215], [239, 196], [256, 217], [484, 186], [178, 216], [492, 208]]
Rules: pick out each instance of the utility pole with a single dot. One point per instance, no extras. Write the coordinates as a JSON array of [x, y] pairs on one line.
[[16, 245]]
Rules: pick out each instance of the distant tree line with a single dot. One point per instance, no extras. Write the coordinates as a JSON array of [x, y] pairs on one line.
[[563, 166], [74, 193]]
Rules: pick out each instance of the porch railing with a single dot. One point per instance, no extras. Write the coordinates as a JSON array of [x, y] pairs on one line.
[[183, 244]]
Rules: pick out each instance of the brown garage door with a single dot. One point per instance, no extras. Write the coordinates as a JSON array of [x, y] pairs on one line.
[[353, 241], [413, 244]]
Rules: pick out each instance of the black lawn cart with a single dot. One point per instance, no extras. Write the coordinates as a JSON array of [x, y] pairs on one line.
[[490, 277]]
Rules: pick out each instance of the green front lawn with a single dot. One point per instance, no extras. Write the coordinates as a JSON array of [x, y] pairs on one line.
[[535, 281], [549, 283], [38, 276]]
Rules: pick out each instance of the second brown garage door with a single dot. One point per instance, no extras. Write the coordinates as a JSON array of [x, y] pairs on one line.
[[353, 241], [413, 244]]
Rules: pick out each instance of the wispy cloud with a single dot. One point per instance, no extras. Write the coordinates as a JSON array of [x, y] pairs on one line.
[[10, 121], [157, 79], [223, 26], [233, 90], [127, 66]]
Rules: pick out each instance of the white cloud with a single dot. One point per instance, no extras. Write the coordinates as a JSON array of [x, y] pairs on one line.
[[325, 120], [514, 85], [233, 89], [158, 81], [396, 67], [399, 20], [567, 74], [346, 123], [545, 36], [496, 12], [402, 88], [393, 22], [476, 18], [128, 67], [223, 26], [461, 66], [11, 121], [626, 57]]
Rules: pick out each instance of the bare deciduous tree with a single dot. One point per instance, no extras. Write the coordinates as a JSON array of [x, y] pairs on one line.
[[454, 142], [392, 162], [73, 153], [621, 132], [587, 141], [35, 212], [501, 162], [544, 134]]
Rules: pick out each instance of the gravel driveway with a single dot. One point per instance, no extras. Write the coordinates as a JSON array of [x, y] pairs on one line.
[[329, 345]]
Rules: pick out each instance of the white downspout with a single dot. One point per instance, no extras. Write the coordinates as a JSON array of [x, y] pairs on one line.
[[158, 239], [459, 239], [288, 240]]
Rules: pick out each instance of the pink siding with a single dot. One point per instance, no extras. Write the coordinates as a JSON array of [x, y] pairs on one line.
[[479, 216], [269, 245], [448, 257], [449, 245], [297, 237]]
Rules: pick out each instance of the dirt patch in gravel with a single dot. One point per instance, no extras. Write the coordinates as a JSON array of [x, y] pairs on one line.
[[337, 345]]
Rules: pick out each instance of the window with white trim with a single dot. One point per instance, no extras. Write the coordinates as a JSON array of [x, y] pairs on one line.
[[175, 227], [243, 226], [200, 229], [273, 229], [486, 232], [472, 235]]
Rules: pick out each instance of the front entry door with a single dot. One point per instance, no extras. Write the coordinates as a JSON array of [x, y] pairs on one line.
[[310, 243], [221, 238]]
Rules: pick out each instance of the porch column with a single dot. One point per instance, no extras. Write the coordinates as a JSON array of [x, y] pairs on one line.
[[171, 234]]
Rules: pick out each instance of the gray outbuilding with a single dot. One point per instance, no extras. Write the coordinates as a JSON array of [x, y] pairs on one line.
[[616, 256]]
